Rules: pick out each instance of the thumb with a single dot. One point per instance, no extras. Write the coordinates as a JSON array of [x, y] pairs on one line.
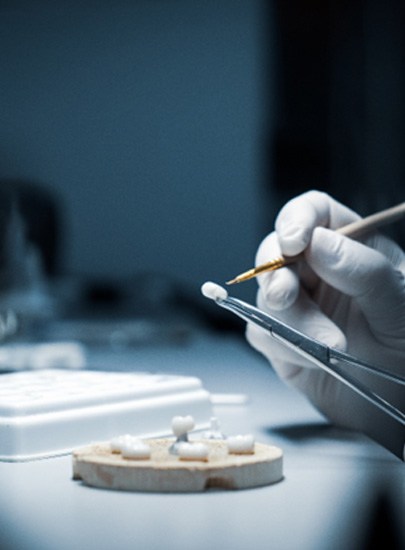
[[364, 274]]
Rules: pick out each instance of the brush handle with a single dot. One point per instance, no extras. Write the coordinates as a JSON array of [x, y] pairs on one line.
[[359, 227], [354, 229], [373, 222]]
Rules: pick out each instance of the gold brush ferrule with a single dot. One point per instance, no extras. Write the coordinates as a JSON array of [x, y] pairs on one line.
[[272, 265]]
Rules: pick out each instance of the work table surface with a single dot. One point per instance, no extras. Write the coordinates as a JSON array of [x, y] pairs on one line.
[[336, 485]]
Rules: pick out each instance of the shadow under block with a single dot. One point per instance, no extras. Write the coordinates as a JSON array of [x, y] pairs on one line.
[[98, 466]]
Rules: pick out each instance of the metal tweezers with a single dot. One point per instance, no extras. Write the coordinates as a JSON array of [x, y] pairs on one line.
[[330, 360]]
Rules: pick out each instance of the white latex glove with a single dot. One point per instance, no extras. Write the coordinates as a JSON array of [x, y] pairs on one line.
[[348, 294]]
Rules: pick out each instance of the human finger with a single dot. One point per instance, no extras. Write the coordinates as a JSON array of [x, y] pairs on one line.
[[364, 274], [298, 218], [279, 288]]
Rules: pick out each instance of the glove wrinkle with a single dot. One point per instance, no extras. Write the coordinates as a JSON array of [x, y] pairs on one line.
[[348, 294]]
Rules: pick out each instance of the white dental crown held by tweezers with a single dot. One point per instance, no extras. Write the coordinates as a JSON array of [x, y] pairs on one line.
[[387, 423]]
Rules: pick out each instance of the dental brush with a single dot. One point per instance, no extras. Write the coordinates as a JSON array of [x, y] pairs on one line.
[[354, 229]]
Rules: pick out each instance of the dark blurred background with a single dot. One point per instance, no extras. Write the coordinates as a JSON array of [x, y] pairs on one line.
[[155, 140], [340, 83], [146, 118]]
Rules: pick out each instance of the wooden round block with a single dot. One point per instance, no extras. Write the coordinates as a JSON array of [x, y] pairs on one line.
[[97, 466]]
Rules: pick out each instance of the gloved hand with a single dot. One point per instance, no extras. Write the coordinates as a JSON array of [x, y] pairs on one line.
[[348, 294]]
